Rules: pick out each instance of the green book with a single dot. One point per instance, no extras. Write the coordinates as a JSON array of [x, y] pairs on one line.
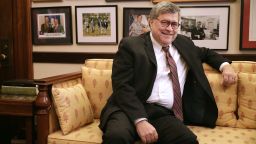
[[19, 90]]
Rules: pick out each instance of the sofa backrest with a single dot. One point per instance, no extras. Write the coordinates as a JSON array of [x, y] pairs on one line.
[[67, 83], [106, 64], [239, 66], [102, 64]]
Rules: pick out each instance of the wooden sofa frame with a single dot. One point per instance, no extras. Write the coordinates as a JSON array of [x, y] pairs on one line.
[[43, 103]]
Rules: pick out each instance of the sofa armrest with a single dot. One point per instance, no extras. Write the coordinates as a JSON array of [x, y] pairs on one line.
[[43, 104]]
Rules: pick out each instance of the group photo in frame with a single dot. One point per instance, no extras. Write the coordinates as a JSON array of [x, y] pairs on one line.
[[52, 26], [136, 21], [46, 0], [248, 25], [123, 0], [207, 26], [96, 24]]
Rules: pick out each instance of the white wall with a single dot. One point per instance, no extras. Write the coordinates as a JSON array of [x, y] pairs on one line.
[[48, 69]]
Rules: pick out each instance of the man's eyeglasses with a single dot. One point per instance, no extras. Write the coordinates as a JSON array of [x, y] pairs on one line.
[[166, 23]]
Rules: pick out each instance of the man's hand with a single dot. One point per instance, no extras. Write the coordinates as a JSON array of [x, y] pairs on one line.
[[146, 132], [229, 75]]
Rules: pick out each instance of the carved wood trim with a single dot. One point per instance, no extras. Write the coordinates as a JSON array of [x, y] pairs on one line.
[[43, 102], [59, 78]]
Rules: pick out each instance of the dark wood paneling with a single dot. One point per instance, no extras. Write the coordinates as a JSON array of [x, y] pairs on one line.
[[22, 51], [49, 57], [15, 37], [241, 57]]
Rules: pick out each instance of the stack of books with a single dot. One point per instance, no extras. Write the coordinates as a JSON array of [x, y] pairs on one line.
[[19, 87], [18, 141]]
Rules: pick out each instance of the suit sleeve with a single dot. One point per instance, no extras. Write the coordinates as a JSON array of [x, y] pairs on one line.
[[212, 58], [205, 55], [124, 93]]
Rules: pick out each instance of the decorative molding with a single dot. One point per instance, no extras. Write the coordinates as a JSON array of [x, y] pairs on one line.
[[79, 58], [49, 57]]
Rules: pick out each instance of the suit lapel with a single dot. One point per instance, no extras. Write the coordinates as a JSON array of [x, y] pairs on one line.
[[149, 48], [183, 52], [189, 58]]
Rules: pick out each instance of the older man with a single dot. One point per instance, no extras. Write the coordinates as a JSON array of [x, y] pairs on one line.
[[159, 85]]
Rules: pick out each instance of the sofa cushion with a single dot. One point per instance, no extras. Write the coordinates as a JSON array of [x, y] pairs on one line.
[[246, 100], [98, 86], [72, 107], [89, 134], [224, 135], [226, 99]]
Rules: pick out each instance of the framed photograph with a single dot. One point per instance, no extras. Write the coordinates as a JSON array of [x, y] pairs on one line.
[[46, 0], [135, 21], [52, 26], [248, 25], [157, 1], [207, 26], [124, 0], [96, 24]]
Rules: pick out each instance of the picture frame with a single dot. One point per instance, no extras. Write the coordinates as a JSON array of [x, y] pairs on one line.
[[181, 1], [96, 24], [46, 0], [52, 26], [131, 27], [207, 26], [248, 22], [123, 0]]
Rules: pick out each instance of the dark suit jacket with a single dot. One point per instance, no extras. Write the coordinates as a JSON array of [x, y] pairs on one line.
[[197, 32], [134, 72]]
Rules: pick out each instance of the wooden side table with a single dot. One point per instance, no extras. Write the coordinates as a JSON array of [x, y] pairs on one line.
[[20, 106]]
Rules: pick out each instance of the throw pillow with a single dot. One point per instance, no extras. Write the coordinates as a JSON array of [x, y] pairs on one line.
[[246, 100], [226, 99], [98, 86], [72, 107]]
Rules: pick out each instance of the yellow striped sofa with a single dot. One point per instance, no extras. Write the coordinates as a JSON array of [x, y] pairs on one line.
[[236, 122]]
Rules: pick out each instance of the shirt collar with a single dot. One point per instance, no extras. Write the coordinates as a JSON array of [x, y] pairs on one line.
[[156, 45]]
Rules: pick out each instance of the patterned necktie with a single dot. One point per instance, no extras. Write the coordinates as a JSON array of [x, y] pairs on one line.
[[177, 104]]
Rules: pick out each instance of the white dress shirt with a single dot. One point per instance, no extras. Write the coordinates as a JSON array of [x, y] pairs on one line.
[[162, 92]]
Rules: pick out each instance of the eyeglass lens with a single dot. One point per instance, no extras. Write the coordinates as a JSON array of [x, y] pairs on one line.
[[166, 23]]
